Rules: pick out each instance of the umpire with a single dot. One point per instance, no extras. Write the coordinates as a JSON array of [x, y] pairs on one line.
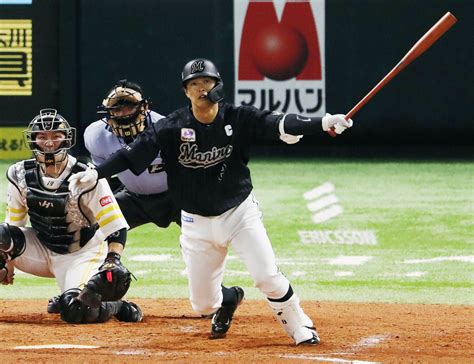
[[143, 198]]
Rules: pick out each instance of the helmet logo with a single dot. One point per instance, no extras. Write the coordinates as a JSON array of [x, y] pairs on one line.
[[197, 66]]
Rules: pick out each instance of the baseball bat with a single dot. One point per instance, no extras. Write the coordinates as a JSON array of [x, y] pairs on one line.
[[425, 42]]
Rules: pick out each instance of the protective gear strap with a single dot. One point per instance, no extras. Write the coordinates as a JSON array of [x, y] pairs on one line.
[[286, 297], [120, 236]]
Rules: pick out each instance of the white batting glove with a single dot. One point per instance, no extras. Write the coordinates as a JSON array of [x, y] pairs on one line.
[[337, 121], [83, 180]]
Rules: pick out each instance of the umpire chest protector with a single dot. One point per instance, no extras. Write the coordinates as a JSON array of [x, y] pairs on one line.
[[47, 211]]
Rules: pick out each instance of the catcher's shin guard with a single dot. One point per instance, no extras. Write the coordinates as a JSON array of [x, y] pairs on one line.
[[294, 321], [74, 311]]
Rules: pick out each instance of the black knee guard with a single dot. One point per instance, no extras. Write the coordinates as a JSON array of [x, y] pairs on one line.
[[12, 245], [12, 241], [74, 311]]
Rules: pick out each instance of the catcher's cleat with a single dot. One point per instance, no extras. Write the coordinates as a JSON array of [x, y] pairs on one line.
[[53, 305], [223, 317], [129, 312]]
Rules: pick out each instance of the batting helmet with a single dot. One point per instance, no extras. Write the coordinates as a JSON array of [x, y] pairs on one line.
[[202, 67]]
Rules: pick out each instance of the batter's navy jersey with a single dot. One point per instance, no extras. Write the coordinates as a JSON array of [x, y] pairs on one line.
[[206, 163]]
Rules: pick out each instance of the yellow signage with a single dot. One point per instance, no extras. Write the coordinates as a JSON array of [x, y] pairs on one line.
[[16, 57], [12, 145]]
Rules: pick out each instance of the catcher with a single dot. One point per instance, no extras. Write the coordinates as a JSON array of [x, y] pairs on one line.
[[66, 237]]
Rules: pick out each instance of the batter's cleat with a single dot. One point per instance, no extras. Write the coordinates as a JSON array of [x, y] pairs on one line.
[[129, 312], [223, 317], [313, 340], [53, 305]]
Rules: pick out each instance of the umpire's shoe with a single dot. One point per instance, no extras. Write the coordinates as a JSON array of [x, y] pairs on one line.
[[53, 305], [223, 317], [129, 312]]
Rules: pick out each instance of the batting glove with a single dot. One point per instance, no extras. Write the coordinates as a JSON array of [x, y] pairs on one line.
[[83, 180], [337, 121]]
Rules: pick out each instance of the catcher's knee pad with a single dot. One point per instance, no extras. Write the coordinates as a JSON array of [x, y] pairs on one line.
[[74, 311], [12, 241]]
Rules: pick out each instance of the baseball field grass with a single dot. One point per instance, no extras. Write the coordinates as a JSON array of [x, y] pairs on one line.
[[379, 231]]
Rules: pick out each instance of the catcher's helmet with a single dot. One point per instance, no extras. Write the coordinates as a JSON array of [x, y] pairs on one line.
[[48, 120], [202, 67], [125, 109]]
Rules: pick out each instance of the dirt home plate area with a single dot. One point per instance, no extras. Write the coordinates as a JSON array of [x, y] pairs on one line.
[[350, 333]]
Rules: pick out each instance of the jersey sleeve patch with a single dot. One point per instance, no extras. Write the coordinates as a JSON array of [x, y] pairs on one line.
[[105, 200]]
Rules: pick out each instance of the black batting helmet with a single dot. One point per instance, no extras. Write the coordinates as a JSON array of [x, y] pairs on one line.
[[201, 67]]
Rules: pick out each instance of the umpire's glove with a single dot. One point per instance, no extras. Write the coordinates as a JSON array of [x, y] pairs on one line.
[[109, 284]]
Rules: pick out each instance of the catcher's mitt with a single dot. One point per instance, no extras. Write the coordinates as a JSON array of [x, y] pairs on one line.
[[109, 284]]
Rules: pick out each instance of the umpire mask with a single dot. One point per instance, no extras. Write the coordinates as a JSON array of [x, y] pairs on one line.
[[125, 109]]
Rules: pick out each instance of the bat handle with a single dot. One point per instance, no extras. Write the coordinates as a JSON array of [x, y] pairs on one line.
[[332, 132]]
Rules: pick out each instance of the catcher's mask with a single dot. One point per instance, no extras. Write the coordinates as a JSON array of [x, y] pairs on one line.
[[49, 152], [125, 109], [202, 67]]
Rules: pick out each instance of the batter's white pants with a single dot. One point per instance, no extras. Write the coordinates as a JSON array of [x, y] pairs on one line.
[[71, 270], [204, 243]]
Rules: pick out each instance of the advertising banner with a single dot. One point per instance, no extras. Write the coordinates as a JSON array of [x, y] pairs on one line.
[[12, 145], [279, 55], [16, 57]]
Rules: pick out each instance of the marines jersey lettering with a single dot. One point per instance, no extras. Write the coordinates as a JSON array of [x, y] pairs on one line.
[[190, 156]]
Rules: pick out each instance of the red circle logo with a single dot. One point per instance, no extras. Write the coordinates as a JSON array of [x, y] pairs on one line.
[[279, 52]]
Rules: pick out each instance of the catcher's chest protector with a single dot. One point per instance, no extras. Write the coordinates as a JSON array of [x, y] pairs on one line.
[[47, 211]]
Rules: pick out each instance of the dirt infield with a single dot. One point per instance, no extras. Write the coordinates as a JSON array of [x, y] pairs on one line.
[[171, 332]]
